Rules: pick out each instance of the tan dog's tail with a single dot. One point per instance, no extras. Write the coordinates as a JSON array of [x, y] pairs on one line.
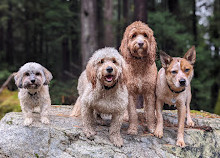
[[76, 109]]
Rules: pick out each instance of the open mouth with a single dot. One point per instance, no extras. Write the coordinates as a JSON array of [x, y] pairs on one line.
[[109, 78]]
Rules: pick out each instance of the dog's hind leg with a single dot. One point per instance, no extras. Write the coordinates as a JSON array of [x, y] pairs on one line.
[[76, 109], [159, 128]]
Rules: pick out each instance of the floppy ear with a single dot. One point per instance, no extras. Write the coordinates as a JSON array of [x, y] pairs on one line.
[[124, 45], [165, 59], [153, 44], [123, 75], [91, 74], [48, 76], [18, 79], [191, 55]]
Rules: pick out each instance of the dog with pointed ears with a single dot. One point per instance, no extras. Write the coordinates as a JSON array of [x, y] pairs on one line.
[[173, 88], [32, 80]]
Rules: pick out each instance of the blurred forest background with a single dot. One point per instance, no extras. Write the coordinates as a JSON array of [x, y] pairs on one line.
[[62, 34]]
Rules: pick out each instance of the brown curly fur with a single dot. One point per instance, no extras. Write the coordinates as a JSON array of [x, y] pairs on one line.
[[142, 72]]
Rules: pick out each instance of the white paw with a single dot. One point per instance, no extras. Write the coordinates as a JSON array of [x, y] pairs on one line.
[[45, 120], [190, 123], [28, 121]]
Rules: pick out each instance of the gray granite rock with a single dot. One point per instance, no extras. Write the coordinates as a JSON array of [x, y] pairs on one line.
[[64, 138]]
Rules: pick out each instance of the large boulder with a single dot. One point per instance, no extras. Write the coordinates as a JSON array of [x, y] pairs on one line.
[[63, 138]]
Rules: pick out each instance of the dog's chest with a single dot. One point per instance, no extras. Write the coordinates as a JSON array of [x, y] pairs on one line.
[[109, 104]]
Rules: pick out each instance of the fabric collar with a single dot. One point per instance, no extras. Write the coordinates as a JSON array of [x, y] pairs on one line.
[[32, 94], [175, 91], [108, 88]]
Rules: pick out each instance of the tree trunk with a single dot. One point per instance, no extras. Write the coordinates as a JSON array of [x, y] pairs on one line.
[[108, 13], [88, 30], [140, 10], [9, 38], [65, 56], [1, 38], [118, 27], [173, 6], [125, 13], [194, 21]]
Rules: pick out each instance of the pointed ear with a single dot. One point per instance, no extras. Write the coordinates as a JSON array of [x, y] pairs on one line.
[[91, 74], [191, 55], [18, 79], [165, 59], [48, 76]]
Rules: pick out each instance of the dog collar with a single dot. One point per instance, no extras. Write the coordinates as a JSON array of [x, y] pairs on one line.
[[107, 88], [32, 94], [175, 91]]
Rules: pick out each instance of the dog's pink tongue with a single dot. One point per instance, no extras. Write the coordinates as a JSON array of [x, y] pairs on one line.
[[109, 78]]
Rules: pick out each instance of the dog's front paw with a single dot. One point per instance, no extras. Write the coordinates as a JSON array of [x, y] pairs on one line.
[[89, 133], [116, 140], [132, 130], [181, 143], [190, 123], [158, 133], [45, 120], [28, 121]]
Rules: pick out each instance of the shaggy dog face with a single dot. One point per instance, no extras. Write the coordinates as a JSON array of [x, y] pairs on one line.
[[105, 68], [138, 42], [32, 76]]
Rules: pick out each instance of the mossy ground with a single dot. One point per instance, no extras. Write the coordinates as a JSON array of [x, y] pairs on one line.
[[9, 102]]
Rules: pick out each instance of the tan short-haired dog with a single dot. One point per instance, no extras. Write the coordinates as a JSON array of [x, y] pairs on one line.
[[32, 79], [102, 88], [173, 88]]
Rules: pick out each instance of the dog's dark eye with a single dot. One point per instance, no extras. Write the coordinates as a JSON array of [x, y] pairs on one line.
[[37, 74], [134, 35], [102, 61], [186, 70], [174, 72], [114, 61], [145, 35], [27, 74]]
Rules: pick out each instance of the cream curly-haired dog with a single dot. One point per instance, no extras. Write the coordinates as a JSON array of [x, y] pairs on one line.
[[32, 79], [138, 47], [102, 88]]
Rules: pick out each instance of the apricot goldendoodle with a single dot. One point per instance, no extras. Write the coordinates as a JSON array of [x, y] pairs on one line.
[[102, 88], [138, 48]]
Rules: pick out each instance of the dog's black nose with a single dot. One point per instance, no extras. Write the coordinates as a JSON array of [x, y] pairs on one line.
[[182, 82], [140, 44], [109, 69], [32, 81]]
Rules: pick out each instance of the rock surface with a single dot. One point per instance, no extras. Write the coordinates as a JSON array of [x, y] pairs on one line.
[[64, 138]]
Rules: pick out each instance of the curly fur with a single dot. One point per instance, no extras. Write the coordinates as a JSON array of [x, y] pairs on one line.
[[142, 74], [95, 93], [34, 94]]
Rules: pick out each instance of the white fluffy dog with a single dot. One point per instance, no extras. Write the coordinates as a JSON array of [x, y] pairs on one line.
[[32, 79], [102, 88]]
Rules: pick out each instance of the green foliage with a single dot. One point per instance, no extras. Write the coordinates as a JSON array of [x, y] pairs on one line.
[[217, 106], [60, 89], [170, 34], [9, 102]]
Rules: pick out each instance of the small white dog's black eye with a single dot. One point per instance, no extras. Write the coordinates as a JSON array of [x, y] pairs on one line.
[[145, 35], [134, 35], [186, 70], [174, 72], [102, 61], [37, 74], [114, 61], [27, 74]]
